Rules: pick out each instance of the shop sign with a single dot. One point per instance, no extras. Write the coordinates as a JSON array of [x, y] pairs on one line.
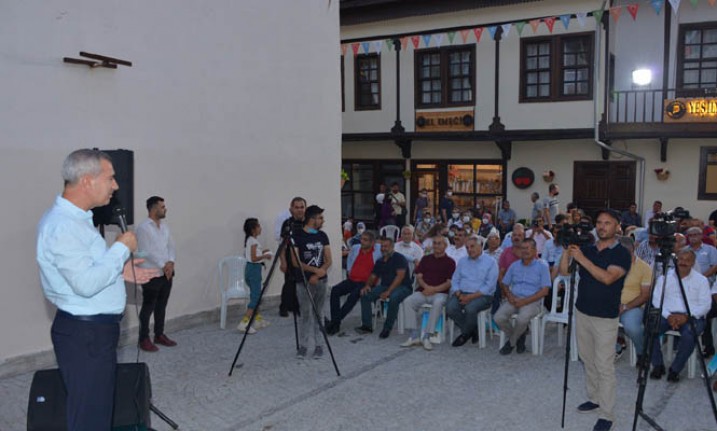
[[449, 121], [690, 110]]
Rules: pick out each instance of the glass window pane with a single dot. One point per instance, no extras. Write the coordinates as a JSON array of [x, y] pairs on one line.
[[583, 88], [691, 76], [708, 76], [455, 96], [531, 63], [426, 98], [709, 35], [466, 56], [531, 91], [466, 70], [544, 90], [544, 77], [569, 75], [569, 88], [545, 48], [436, 85], [531, 78], [692, 52], [532, 49], [692, 36], [435, 71], [544, 62], [467, 96], [426, 86], [583, 74], [709, 51], [568, 60]]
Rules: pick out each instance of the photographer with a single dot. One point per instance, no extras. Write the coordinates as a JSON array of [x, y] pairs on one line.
[[603, 267]]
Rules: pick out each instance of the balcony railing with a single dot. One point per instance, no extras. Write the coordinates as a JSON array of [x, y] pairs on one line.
[[647, 106]]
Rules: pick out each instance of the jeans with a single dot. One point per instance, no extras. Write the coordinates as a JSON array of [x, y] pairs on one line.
[[252, 277], [632, 324], [685, 346], [308, 324], [346, 287], [394, 300], [466, 316], [155, 295]]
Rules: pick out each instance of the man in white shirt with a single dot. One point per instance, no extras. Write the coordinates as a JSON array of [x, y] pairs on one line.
[[156, 246], [649, 214], [539, 234], [409, 248], [674, 313], [457, 250]]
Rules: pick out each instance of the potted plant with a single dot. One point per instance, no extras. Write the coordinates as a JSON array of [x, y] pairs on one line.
[[662, 174], [344, 177], [548, 176]]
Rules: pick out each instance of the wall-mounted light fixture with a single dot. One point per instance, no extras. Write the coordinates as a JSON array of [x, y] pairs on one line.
[[641, 77]]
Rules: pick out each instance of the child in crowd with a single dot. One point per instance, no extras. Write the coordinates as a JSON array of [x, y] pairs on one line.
[[252, 274]]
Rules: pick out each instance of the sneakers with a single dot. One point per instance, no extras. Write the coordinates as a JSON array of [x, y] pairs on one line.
[[506, 349], [384, 333], [301, 353], [602, 425], [411, 342], [588, 407], [147, 345], [318, 352], [427, 345], [520, 344], [165, 341], [260, 323], [243, 325]]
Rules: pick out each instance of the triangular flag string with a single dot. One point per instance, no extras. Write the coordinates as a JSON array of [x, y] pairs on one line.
[[519, 26], [534, 23], [657, 5], [365, 46], [389, 44], [615, 12], [581, 17], [355, 47], [712, 2], [492, 30], [439, 39], [464, 35], [377, 44], [632, 10], [478, 31], [426, 40], [506, 29], [404, 42], [597, 14], [694, 2], [675, 5], [451, 36], [565, 19], [550, 22]]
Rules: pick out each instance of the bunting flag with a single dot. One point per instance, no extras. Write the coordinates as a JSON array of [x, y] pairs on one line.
[[581, 16], [492, 30], [478, 31], [657, 5], [404, 42], [464, 35], [355, 47], [565, 19], [439, 39], [451, 36], [694, 2], [377, 44], [343, 49], [615, 12], [712, 2], [365, 46], [632, 9], [426, 40], [506, 29], [597, 14], [534, 23], [550, 22], [389, 44], [675, 5], [415, 40], [519, 26]]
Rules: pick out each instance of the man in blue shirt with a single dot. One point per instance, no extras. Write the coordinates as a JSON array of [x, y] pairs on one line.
[[85, 280], [472, 288], [523, 285], [395, 285]]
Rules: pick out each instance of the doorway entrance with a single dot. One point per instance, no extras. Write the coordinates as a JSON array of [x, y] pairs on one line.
[[598, 185]]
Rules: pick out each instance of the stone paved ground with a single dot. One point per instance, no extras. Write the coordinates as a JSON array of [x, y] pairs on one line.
[[382, 386]]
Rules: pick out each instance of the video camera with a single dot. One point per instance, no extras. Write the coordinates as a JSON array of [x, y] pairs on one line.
[[664, 225], [579, 234]]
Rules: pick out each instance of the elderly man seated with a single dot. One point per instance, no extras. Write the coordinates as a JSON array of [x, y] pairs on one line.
[[523, 285], [674, 313], [409, 248], [392, 282], [433, 275], [472, 288]]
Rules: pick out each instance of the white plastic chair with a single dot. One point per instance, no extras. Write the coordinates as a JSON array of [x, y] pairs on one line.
[[535, 330], [390, 231], [380, 309], [483, 327], [230, 273], [561, 318], [691, 363]]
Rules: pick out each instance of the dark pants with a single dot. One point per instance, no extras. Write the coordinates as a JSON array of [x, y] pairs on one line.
[[155, 295], [685, 346], [394, 300], [289, 301], [707, 340], [86, 354], [346, 287]]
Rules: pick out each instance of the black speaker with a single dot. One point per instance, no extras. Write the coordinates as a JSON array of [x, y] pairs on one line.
[[46, 410], [123, 164]]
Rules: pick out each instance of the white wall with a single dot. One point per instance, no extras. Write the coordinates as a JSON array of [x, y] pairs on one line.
[[230, 107]]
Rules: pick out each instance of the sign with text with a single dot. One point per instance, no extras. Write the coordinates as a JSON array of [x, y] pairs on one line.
[[690, 110], [446, 121]]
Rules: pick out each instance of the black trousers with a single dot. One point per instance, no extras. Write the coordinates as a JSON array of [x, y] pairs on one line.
[[289, 301], [86, 354], [155, 295]]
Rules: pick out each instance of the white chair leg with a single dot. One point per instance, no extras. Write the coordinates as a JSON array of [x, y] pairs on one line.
[[535, 335], [633, 354], [400, 318], [482, 328], [223, 314], [573, 345]]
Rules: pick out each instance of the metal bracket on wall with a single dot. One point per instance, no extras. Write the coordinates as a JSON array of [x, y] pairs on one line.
[[405, 146], [97, 61], [606, 153], [506, 149]]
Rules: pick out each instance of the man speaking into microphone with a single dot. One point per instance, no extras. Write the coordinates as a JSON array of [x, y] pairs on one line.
[[84, 279]]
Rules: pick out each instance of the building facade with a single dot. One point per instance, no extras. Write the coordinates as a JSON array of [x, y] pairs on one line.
[[484, 96]]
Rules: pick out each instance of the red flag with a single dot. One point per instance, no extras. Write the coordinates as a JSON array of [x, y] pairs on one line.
[[478, 31], [712, 2], [550, 22], [534, 23], [615, 12], [464, 35], [355, 48], [632, 8], [343, 49], [415, 40]]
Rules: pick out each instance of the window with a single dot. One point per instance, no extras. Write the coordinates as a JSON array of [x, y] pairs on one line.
[[358, 195], [697, 57], [556, 68], [708, 174], [445, 76], [368, 82]]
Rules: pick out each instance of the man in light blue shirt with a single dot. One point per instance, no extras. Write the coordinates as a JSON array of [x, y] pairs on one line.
[[524, 284], [472, 288], [84, 279]]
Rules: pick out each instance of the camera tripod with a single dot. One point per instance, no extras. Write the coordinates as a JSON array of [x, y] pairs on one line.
[[286, 238], [571, 301], [651, 321]]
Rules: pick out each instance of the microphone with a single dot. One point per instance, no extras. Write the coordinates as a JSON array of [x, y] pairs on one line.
[[120, 212]]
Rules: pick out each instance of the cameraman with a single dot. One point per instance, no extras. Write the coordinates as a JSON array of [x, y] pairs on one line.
[[603, 266]]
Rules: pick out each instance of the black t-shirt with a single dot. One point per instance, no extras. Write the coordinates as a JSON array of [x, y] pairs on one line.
[[311, 251], [713, 217], [447, 204], [386, 270], [595, 298]]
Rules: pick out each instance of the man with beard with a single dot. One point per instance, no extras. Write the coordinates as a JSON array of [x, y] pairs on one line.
[[290, 226]]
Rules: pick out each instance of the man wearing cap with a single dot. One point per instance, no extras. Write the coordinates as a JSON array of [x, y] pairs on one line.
[[314, 254], [603, 266]]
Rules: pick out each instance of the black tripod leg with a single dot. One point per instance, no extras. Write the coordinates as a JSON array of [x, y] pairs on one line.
[[162, 416]]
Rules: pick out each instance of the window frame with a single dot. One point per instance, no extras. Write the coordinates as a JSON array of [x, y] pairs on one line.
[[556, 68], [702, 184], [357, 86], [444, 53], [680, 81]]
